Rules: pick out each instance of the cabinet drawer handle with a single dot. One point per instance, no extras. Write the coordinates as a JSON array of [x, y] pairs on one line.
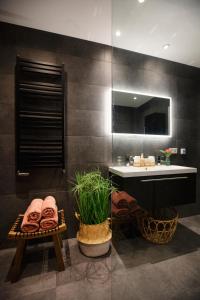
[[164, 179]]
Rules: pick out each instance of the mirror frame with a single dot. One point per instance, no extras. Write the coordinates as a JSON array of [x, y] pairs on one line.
[[143, 134]]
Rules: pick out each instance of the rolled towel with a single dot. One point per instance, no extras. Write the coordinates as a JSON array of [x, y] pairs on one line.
[[50, 223], [27, 226], [49, 208], [34, 211], [135, 210], [120, 212], [123, 200]]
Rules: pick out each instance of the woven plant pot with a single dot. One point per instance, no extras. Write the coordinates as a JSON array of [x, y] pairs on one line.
[[94, 240], [157, 231]]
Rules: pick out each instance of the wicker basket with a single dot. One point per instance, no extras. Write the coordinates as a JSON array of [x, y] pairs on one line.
[[94, 234], [94, 240], [158, 231]]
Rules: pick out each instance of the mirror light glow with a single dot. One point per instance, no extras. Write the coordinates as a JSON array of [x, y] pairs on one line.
[[109, 117]]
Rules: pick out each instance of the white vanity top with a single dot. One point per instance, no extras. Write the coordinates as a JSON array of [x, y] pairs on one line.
[[131, 171]]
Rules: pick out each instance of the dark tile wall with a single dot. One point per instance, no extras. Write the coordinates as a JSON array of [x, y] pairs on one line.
[[141, 73], [88, 71]]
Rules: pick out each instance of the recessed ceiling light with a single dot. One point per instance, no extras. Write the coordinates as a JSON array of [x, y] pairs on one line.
[[135, 98], [141, 1], [166, 46], [118, 33]]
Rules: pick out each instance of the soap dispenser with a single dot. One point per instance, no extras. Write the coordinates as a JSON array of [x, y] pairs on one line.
[[142, 161]]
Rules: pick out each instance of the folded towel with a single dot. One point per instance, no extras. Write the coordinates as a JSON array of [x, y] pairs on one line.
[[135, 210], [123, 200], [49, 208], [119, 212], [50, 223], [34, 210], [27, 226]]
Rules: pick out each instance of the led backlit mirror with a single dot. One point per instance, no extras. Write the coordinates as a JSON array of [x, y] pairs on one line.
[[134, 113]]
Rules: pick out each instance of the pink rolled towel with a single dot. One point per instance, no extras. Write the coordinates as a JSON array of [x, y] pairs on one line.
[[27, 226], [49, 223], [32, 216], [49, 208], [34, 210]]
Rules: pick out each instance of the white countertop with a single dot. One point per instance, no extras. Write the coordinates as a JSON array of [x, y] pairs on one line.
[[130, 171]]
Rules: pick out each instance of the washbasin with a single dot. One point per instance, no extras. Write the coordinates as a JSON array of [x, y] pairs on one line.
[[131, 171]]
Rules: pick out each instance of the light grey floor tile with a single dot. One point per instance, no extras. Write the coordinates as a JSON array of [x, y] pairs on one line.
[[28, 285], [141, 282], [90, 271], [84, 290], [183, 271], [193, 223], [45, 295]]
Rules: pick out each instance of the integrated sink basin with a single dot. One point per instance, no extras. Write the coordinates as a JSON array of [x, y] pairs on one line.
[[130, 171]]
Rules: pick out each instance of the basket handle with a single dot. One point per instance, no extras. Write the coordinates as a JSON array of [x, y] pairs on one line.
[[109, 220], [77, 216]]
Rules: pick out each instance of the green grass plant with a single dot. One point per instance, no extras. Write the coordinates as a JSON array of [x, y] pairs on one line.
[[92, 192]]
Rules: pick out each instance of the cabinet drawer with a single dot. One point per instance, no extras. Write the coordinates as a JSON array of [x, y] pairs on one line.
[[160, 191], [174, 191]]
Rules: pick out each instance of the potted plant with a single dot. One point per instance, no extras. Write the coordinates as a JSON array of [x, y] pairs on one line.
[[92, 192], [167, 153]]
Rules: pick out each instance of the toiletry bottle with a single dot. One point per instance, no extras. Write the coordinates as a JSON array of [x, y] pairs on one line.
[[131, 160], [136, 162], [142, 162]]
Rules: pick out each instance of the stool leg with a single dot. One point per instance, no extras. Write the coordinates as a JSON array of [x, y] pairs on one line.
[[60, 262], [16, 264], [60, 240]]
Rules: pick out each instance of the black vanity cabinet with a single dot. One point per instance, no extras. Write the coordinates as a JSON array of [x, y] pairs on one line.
[[154, 192]]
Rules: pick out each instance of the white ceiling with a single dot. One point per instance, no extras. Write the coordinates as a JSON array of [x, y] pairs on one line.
[[144, 28], [85, 19]]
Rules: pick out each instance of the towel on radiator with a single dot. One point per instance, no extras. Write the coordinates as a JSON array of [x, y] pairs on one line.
[[49, 208], [49, 223], [34, 210], [123, 200]]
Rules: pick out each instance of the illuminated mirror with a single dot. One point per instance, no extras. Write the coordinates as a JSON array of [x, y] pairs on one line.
[[140, 114]]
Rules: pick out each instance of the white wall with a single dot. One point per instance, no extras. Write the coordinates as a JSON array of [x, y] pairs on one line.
[[85, 19]]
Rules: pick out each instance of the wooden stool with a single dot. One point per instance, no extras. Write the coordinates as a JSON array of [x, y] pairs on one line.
[[21, 237]]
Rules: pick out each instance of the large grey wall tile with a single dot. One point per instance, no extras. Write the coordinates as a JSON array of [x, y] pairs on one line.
[[6, 119], [86, 149], [7, 89], [7, 149], [85, 123], [86, 97], [7, 179], [89, 71], [37, 54], [41, 179], [81, 48]]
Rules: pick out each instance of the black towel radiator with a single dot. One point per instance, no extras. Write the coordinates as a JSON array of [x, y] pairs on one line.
[[40, 95]]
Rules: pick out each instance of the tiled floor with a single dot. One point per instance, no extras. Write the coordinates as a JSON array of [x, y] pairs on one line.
[[136, 270]]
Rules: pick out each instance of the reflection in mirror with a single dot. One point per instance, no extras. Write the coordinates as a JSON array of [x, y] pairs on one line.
[[135, 113]]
